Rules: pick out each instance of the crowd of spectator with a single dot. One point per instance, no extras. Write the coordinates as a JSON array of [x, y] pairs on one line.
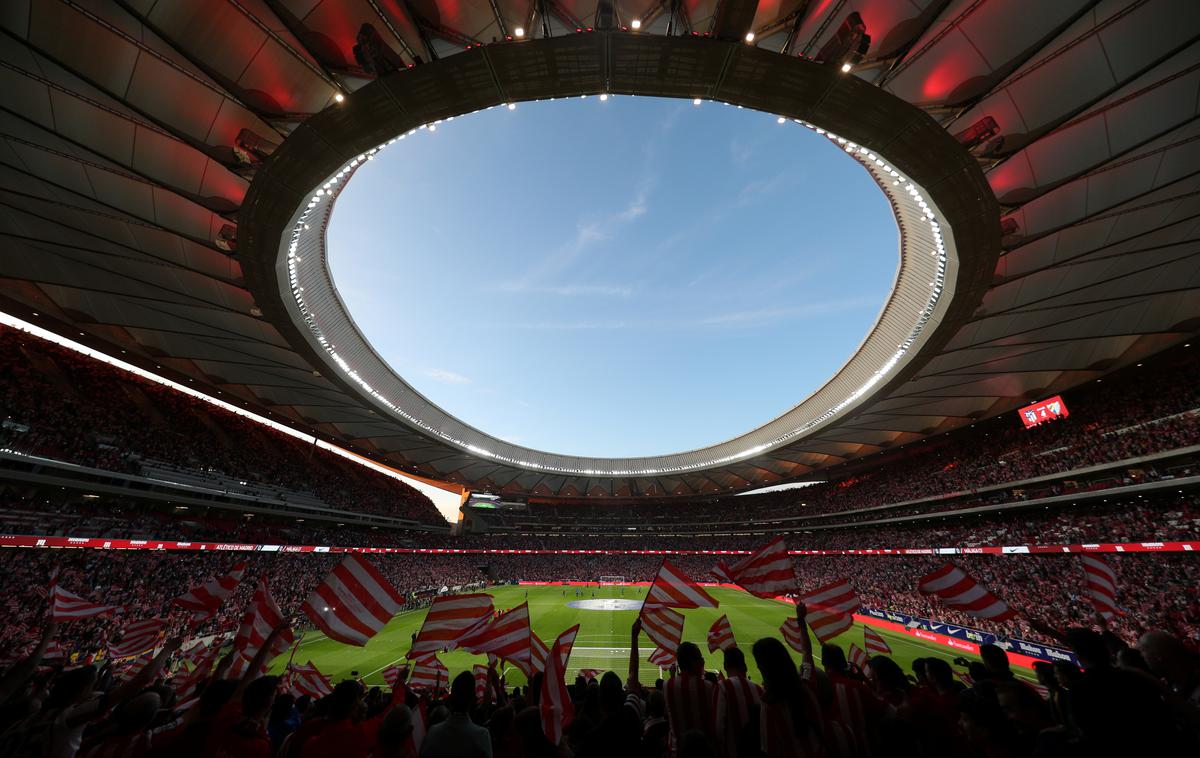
[[48, 403], [1159, 590], [1161, 517], [1129, 693]]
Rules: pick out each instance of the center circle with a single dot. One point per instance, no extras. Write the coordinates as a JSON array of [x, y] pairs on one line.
[[605, 604], [631, 277]]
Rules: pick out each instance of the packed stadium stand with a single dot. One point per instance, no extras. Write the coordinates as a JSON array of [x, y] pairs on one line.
[[228, 528]]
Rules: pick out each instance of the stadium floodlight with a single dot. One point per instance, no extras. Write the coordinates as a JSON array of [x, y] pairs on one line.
[[603, 96], [635, 24], [696, 101], [512, 106], [846, 68], [339, 97], [519, 31], [749, 36]]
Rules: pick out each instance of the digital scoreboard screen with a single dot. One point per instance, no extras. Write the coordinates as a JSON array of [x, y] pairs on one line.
[[1041, 412]]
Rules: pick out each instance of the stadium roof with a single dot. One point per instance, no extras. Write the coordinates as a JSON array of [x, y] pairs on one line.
[[132, 133]]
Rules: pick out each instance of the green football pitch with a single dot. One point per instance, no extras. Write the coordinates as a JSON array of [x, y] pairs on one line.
[[603, 641]]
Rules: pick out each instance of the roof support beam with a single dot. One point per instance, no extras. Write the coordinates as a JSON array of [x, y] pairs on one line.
[[797, 22], [412, 56], [679, 23], [499, 19], [224, 87]]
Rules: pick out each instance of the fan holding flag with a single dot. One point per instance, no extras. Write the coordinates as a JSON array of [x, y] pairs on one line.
[[691, 699]]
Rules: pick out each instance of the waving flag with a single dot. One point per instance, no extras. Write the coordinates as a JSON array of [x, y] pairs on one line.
[[662, 658], [261, 618], [792, 634], [428, 673], [507, 637], [959, 591], [831, 609], [480, 672], [451, 617], [590, 674], [353, 603], [556, 707], [136, 638], [395, 675], [765, 573], [129, 668], [664, 626], [858, 657], [204, 601], [537, 654], [720, 635], [876, 645], [308, 680], [672, 588], [1101, 585], [67, 606]]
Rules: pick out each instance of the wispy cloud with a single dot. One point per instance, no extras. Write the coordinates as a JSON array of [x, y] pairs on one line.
[[445, 376], [751, 317], [587, 234], [740, 153], [753, 190], [570, 290]]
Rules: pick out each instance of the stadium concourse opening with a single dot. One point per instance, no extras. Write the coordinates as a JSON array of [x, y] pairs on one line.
[[737, 259]]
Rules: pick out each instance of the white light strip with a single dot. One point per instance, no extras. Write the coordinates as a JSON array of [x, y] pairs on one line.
[[876, 165], [9, 320]]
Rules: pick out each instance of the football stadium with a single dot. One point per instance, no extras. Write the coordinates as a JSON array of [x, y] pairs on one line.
[[640, 378]]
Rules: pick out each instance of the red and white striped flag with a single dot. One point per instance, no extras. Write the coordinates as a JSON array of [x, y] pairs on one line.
[[590, 674], [67, 606], [876, 645], [831, 609], [204, 601], [858, 657], [662, 658], [556, 707], [480, 672], [450, 618], [420, 718], [537, 653], [261, 618], [353, 603], [136, 638], [55, 653], [664, 626], [959, 591], [308, 680], [792, 634], [196, 653], [394, 675], [1101, 585], [674, 589], [720, 635], [129, 668], [767, 572], [507, 637], [428, 673], [241, 664]]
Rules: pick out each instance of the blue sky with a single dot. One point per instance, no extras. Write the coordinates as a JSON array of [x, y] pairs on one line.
[[621, 278]]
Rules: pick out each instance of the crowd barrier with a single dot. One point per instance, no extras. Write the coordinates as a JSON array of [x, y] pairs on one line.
[[113, 543]]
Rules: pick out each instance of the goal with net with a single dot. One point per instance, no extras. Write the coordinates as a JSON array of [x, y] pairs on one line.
[[609, 580]]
